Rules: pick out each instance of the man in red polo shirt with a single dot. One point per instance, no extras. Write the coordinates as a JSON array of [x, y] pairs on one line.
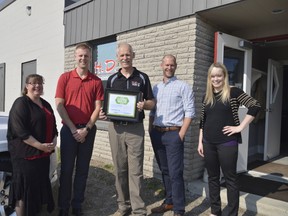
[[78, 100]]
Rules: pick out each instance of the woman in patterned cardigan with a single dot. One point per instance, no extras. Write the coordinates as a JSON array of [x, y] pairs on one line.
[[220, 133]]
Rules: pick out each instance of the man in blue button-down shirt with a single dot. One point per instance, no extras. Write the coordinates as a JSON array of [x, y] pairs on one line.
[[168, 124]]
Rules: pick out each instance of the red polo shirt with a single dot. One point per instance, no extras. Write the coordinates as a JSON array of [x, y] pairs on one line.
[[79, 95]]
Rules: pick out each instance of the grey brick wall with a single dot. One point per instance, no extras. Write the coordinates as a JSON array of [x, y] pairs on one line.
[[191, 41], [69, 58]]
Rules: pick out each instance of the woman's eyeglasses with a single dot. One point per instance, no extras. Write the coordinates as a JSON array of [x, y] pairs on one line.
[[35, 84]]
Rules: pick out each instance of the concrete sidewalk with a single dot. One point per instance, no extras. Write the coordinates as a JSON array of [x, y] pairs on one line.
[[258, 204]]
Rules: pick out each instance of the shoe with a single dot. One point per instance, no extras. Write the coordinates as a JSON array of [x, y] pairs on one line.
[[63, 212], [162, 208], [119, 213], [77, 211]]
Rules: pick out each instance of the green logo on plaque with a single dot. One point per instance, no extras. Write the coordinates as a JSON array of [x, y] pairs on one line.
[[122, 100]]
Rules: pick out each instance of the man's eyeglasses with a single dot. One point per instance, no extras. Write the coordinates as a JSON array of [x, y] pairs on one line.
[[35, 84]]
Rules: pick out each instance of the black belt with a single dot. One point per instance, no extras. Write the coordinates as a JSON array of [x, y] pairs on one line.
[[165, 129], [80, 125], [124, 123]]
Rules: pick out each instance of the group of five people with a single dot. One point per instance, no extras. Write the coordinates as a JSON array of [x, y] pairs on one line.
[[32, 136]]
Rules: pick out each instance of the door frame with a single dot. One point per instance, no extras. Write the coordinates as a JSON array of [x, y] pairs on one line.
[[223, 40]]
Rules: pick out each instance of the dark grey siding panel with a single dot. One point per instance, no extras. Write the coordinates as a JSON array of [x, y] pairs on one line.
[[84, 24], [90, 21], [143, 12], [174, 9], [2, 87], [125, 15], [223, 2], [213, 3], [186, 7], [199, 5], [163, 10], [134, 14], [100, 18], [118, 15], [96, 21], [152, 11], [68, 23], [79, 27], [110, 17], [103, 18], [73, 25]]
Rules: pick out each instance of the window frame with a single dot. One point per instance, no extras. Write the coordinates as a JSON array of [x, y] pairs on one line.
[[101, 124], [23, 71], [74, 5]]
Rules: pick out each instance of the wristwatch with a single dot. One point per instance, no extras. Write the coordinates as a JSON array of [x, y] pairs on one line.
[[87, 128]]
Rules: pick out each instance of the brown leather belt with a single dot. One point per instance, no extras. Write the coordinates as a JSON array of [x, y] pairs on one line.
[[165, 129]]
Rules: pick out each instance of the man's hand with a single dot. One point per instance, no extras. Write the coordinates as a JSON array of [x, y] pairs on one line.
[[80, 134], [102, 115], [140, 105]]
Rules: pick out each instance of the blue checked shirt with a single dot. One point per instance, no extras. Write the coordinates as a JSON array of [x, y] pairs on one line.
[[174, 102]]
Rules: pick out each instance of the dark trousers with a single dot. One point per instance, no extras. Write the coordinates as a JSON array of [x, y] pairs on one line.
[[223, 156], [169, 153], [78, 154]]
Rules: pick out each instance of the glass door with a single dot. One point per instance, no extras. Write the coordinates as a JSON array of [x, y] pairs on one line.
[[236, 54], [273, 110]]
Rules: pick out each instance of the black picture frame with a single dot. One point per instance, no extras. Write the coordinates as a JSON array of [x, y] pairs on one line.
[[121, 105]]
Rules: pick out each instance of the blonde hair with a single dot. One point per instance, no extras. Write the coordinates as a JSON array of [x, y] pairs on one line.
[[83, 46], [225, 93]]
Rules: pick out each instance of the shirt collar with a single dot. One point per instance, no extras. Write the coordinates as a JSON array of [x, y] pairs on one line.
[[75, 74], [134, 73], [170, 80]]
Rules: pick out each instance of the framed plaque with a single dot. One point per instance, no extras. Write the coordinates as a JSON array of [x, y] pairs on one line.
[[121, 104]]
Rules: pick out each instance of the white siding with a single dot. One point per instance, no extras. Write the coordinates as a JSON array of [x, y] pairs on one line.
[[37, 37]]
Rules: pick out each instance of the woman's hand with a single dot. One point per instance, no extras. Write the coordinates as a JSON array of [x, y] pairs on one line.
[[229, 130], [200, 149], [47, 147]]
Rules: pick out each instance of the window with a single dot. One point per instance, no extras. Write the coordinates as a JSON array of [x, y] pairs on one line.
[[234, 61], [70, 4], [104, 60], [5, 3], [104, 64], [28, 68]]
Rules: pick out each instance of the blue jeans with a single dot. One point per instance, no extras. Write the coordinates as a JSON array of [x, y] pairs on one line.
[[169, 153], [224, 156], [71, 152]]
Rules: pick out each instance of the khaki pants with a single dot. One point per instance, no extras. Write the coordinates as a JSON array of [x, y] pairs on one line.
[[127, 147]]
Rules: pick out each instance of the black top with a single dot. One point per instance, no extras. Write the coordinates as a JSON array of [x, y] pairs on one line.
[[214, 118], [138, 81], [27, 118]]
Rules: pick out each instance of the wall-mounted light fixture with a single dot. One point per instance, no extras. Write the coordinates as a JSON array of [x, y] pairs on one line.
[[277, 11], [28, 10], [245, 44]]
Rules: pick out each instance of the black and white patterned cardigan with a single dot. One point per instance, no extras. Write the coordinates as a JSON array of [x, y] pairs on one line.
[[237, 98]]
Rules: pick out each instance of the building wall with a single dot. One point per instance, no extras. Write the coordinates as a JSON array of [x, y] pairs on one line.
[[191, 41], [100, 18], [23, 38]]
